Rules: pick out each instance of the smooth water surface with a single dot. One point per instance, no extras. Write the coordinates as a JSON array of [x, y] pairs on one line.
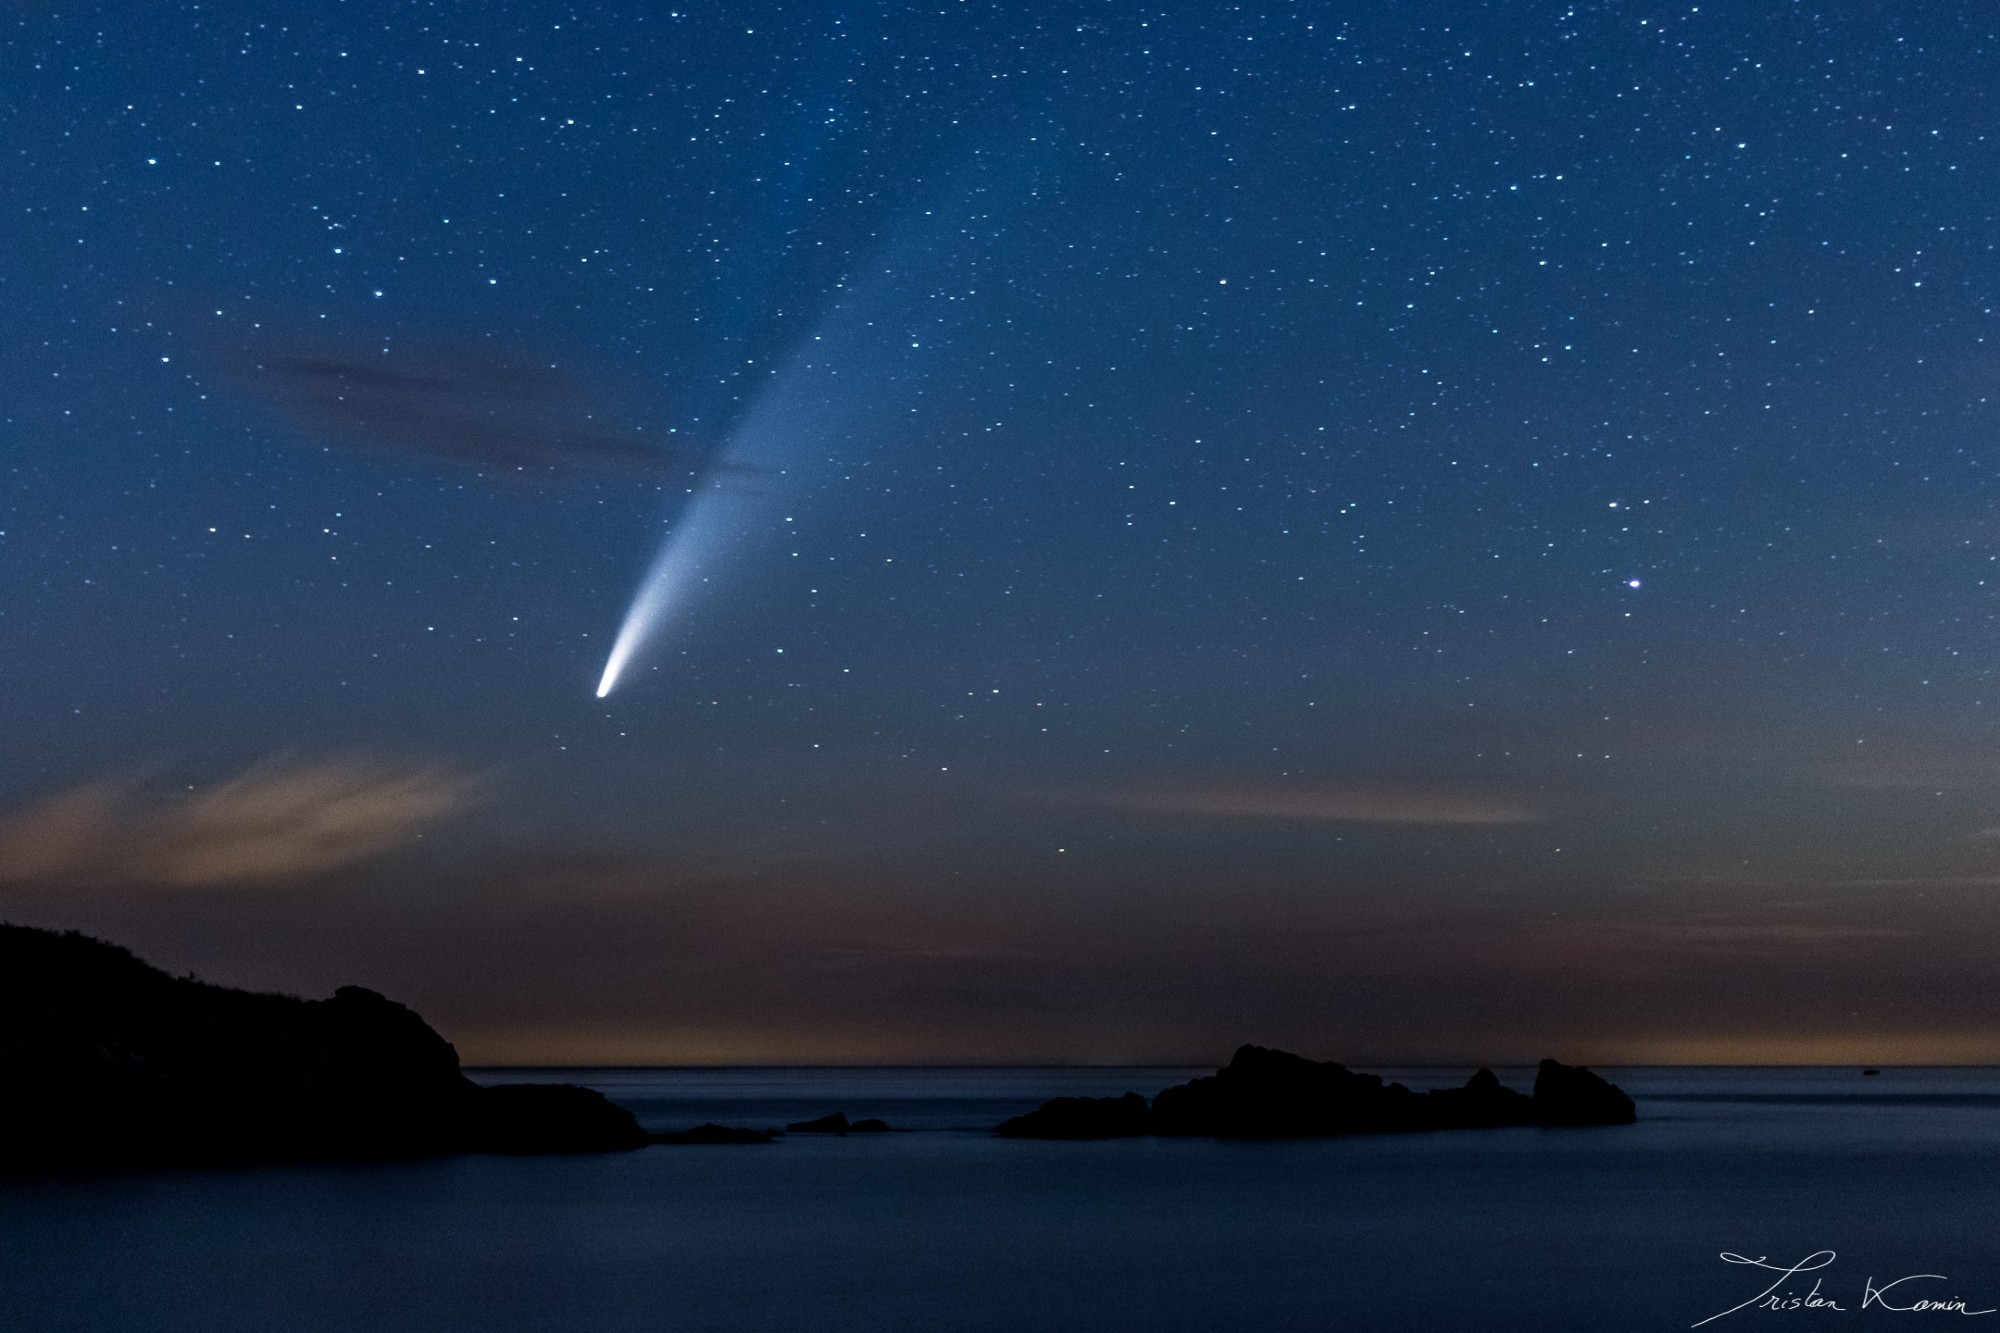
[[940, 1226]]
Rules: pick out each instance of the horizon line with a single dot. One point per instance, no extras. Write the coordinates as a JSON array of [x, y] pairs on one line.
[[1181, 1064]]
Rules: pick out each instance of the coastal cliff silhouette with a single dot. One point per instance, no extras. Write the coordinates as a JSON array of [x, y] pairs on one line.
[[109, 1061]]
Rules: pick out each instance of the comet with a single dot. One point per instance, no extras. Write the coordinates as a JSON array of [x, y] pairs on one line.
[[849, 378], [714, 524], [725, 522]]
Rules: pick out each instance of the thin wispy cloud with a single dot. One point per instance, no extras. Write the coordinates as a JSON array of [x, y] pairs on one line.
[[1339, 803], [1722, 937], [1909, 772], [277, 821], [465, 404], [1919, 882]]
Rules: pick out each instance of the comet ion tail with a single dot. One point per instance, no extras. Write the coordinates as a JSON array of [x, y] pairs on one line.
[[725, 522], [843, 382]]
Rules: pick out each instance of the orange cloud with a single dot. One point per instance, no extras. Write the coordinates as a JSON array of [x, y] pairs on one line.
[[1346, 803], [276, 821], [1909, 772]]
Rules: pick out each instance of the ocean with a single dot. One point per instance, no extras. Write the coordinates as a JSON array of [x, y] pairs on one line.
[[940, 1226]]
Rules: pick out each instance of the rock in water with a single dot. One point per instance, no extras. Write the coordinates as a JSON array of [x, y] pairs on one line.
[[1081, 1118], [551, 1117], [718, 1134], [1263, 1093], [826, 1124], [1572, 1095], [1483, 1103]]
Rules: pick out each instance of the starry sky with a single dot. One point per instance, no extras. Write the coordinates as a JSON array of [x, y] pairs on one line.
[[1416, 531]]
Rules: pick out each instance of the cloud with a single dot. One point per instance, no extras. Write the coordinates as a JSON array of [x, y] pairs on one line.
[[1716, 937], [1346, 803], [277, 821], [573, 958], [463, 404], [1909, 771], [1920, 882]]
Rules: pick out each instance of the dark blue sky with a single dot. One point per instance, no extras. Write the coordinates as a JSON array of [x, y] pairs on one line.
[[1408, 530]]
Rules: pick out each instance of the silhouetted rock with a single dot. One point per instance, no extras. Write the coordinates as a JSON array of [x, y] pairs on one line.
[[1571, 1095], [869, 1127], [1483, 1103], [718, 1134], [551, 1117], [1081, 1118], [826, 1124], [1263, 1093], [107, 1061]]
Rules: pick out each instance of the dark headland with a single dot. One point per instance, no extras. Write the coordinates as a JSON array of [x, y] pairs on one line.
[[1265, 1094], [109, 1062]]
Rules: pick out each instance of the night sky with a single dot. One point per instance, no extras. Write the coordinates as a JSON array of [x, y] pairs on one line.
[[1404, 531]]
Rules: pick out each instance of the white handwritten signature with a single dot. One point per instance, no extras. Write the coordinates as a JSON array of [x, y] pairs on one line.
[[1775, 1297]]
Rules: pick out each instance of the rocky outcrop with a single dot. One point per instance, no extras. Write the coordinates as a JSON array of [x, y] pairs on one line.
[[718, 1134], [1568, 1095], [1082, 1118], [837, 1124], [1263, 1093], [550, 1117], [107, 1061], [1483, 1103]]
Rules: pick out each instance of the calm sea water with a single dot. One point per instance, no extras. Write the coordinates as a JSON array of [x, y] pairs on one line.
[[943, 1227]]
